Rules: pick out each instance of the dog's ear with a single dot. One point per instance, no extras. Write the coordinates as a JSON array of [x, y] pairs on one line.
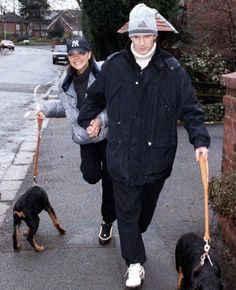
[[20, 214]]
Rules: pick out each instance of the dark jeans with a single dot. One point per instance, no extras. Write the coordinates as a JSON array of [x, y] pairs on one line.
[[135, 206], [93, 167]]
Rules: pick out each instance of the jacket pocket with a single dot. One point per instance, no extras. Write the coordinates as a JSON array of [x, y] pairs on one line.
[[162, 134], [160, 160], [117, 153]]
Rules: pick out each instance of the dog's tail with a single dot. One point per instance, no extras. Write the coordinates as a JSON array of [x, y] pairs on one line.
[[55, 221]]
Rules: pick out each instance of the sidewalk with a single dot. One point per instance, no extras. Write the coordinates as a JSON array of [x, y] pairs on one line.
[[14, 175], [77, 260]]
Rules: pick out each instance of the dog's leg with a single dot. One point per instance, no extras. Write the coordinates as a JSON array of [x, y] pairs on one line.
[[15, 235], [180, 278], [26, 232], [31, 240], [33, 227], [55, 221]]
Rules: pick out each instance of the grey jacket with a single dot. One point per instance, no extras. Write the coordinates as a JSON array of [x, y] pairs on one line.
[[66, 106]]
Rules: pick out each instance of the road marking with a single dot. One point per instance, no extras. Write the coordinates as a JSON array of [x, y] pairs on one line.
[[37, 99], [35, 91]]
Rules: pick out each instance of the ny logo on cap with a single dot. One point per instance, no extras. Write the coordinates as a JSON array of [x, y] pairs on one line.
[[142, 24], [75, 43]]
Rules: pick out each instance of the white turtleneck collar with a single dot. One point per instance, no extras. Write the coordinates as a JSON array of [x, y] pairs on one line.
[[143, 59]]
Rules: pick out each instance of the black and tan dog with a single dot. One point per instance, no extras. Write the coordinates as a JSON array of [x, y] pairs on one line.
[[192, 275], [27, 208]]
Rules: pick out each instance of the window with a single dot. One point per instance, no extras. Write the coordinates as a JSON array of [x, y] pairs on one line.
[[36, 26]]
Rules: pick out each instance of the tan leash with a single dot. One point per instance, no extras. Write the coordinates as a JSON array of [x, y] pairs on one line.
[[36, 156], [205, 179]]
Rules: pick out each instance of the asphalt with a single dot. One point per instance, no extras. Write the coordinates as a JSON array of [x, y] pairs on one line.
[[77, 260]]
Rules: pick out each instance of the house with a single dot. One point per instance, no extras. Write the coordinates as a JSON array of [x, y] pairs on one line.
[[12, 26], [39, 28], [15, 26], [70, 20]]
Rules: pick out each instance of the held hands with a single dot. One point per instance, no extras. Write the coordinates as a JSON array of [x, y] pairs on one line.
[[201, 151], [94, 127]]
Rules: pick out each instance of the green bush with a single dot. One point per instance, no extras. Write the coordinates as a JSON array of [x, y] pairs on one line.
[[38, 41], [214, 112], [206, 66], [222, 195]]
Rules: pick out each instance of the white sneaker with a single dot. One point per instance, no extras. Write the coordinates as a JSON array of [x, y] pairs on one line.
[[136, 275]]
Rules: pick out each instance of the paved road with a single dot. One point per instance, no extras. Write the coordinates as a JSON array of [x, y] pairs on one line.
[[25, 74], [77, 261], [27, 65]]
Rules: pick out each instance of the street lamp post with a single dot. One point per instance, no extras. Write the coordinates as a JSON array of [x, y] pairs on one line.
[[3, 21], [5, 25]]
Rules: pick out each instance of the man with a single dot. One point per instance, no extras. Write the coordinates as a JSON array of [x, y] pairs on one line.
[[145, 92]]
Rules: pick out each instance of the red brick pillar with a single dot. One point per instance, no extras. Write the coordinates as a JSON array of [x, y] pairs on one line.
[[229, 142]]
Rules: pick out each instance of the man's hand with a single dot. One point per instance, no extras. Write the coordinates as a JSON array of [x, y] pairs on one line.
[[201, 151], [94, 128]]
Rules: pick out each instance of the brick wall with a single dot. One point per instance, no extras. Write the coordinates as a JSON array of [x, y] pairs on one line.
[[11, 28], [229, 142]]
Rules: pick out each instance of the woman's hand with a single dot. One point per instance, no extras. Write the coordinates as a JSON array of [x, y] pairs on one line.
[[40, 115], [94, 128]]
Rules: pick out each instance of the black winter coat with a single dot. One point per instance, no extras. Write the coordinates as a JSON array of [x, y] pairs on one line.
[[143, 108]]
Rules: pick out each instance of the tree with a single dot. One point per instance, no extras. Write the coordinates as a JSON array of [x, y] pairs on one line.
[[57, 31], [213, 23], [102, 19], [34, 10]]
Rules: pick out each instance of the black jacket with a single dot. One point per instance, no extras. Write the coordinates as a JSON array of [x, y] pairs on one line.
[[143, 107]]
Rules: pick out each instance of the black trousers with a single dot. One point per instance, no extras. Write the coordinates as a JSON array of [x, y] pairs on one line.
[[135, 206], [93, 167]]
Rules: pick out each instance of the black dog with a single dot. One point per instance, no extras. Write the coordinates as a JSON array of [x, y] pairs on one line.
[[27, 208], [191, 274]]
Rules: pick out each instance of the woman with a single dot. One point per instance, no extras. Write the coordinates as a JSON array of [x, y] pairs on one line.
[[81, 73]]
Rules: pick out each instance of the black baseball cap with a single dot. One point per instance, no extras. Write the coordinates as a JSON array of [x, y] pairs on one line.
[[78, 44]]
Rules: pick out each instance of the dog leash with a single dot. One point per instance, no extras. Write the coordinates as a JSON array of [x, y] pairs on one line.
[[205, 177], [36, 156], [204, 168]]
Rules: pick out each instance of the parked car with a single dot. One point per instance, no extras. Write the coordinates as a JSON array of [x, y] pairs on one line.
[[59, 54], [7, 44]]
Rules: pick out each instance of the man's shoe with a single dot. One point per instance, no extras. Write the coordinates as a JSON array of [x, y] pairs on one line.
[[136, 275], [105, 233]]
